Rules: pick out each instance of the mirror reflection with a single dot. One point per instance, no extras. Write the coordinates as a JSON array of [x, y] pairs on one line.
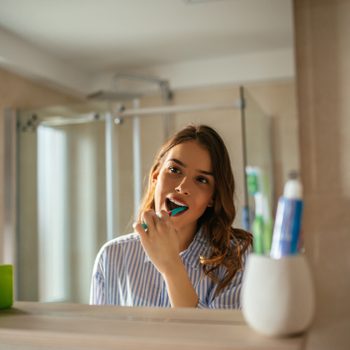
[[65, 188], [82, 170], [69, 185]]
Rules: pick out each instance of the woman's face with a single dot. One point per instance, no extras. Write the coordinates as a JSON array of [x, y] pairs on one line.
[[185, 179]]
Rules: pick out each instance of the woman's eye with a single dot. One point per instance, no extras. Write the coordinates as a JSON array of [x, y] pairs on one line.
[[174, 170], [202, 180]]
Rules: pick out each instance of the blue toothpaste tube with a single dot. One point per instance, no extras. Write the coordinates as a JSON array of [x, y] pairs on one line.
[[286, 233]]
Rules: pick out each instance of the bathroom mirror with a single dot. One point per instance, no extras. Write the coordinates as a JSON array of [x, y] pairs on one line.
[[65, 192], [75, 192]]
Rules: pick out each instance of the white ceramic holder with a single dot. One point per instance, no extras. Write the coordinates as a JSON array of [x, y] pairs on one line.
[[278, 295]]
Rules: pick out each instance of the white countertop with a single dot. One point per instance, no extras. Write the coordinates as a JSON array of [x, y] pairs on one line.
[[30, 325]]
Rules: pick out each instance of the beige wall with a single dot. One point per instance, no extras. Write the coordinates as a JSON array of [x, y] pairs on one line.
[[323, 75], [18, 92]]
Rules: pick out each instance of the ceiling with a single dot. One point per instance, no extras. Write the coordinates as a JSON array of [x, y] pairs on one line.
[[98, 36]]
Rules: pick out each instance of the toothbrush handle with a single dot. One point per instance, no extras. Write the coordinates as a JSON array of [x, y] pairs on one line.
[[171, 213]]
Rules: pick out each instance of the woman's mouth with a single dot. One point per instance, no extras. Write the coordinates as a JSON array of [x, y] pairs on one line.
[[175, 207]]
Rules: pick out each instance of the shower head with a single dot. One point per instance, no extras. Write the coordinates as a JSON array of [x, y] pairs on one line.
[[105, 95], [126, 87]]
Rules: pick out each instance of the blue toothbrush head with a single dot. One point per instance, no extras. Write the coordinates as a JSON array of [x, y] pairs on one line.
[[171, 213], [177, 210]]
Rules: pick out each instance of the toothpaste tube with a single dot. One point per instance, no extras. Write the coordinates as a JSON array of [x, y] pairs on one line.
[[286, 233]]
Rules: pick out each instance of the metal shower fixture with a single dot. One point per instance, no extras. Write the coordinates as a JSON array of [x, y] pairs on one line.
[[116, 95]]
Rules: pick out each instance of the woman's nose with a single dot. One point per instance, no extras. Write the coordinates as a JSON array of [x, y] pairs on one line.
[[183, 187]]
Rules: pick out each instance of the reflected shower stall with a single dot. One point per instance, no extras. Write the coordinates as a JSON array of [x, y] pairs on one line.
[[81, 171]]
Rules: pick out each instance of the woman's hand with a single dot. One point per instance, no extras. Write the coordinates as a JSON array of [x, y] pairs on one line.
[[162, 244], [160, 241]]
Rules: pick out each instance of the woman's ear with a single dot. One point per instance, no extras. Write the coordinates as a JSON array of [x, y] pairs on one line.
[[211, 203], [155, 177]]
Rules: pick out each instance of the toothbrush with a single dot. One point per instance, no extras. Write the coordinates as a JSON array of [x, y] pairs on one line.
[[171, 213]]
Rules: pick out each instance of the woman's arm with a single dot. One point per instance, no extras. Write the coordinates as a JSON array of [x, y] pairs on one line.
[[179, 286]]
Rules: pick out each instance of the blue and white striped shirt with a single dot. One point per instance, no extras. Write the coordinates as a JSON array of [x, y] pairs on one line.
[[124, 275]]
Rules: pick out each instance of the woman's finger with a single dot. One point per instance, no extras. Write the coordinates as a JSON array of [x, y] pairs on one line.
[[164, 214], [149, 218], [138, 227], [161, 221], [164, 217]]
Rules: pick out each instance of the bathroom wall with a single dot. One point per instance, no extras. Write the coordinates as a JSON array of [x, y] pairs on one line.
[[19, 92], [323, 84]]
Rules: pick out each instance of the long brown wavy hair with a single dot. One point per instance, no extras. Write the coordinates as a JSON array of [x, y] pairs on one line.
[[216, 222]]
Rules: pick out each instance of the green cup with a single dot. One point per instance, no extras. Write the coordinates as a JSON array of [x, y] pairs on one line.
[[6, 286]]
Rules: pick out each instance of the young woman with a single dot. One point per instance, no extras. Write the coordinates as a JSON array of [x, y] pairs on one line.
[[192, 259]]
